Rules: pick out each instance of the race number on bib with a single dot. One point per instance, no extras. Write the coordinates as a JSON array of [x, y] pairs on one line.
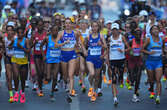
[[19, 54], [37, 47], [95, 51], [55, 53], [136, 52], [158, 52]]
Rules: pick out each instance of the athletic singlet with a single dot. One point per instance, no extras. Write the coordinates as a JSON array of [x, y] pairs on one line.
[[136, 48], [8, 51], [84, 35], [52, 54], [93, 47], [114, 46], [19, 55], [68, 36], [37, 45], [155, 46]]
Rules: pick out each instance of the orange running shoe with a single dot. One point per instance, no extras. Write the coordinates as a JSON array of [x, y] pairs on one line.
[[90, 92], [104, 79], [73, 93], [40, 93], [109, 82], [93, 98]]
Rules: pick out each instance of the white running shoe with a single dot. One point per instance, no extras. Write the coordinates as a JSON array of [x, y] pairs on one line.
[[115, 101], [26, 84], [135, 98]]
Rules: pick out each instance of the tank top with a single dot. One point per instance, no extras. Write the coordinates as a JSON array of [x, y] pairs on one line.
[[19, 53], [52, 54], [93, 47], [114, 45], [40, 38], [8, 51], [157, 47], [136, 48], [68, 36]]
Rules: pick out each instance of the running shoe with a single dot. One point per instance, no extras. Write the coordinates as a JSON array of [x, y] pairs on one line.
[[164, 79], [137, 93], [73, 93], [26, 84], [56, 88], [35, 87], [135, 98], [69, 99], [129, 87], [80, 82], [23, 98], [16, 97], [109, 82], [52, 99], [115, 101], [93, 97], [104, 79], [121, 86], [99, 93], [83, 89], [157, 100], [40, 93], [152, 95], [90, 92], [11, 99]]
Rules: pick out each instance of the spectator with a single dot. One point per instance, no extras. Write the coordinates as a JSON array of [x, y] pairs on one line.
[[95, 11]]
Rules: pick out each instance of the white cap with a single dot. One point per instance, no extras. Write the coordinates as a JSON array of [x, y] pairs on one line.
[[115, 26], [141, 0], [108, 21], [143, 13], [74, 13], [7, 7], [38, 1], [10, 23]]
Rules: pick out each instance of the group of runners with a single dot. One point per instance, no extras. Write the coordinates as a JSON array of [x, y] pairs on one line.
[[48, 50]]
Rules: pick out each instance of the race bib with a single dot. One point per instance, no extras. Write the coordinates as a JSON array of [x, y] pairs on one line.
[[136, 52], [37, 47], [95, 51], [158, 52], [55, 53], [19, 54], [71, 44]]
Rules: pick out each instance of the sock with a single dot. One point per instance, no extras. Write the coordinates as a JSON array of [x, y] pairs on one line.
[[11, 93]]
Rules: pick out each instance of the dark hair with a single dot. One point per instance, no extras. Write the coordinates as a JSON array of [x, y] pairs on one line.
[[54, 26], [153, 27], [11, 27], [68, 19], [97, 24], [18, 28]]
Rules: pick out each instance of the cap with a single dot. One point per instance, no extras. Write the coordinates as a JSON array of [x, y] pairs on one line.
[[74, 13], [10, 23], [115, 26], [7, 7], [108, 21], [143, 13]]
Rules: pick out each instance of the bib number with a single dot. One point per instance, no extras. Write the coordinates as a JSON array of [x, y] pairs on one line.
[[136, 52], [55, 53], [158, 52], [95, 51], [19, 54]]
